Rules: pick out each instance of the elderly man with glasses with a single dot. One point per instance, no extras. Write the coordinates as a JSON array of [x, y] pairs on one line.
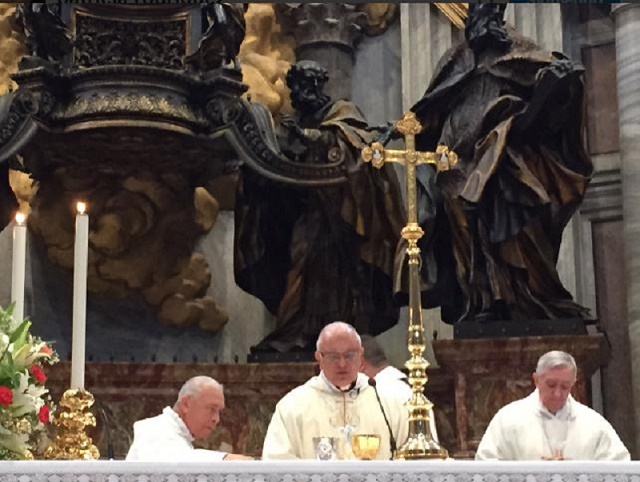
[[337, 403]]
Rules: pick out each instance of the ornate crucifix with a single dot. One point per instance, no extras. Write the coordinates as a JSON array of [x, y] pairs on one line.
[[420, 444]]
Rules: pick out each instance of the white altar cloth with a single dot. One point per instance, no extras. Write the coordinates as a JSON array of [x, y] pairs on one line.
[[317, 471]]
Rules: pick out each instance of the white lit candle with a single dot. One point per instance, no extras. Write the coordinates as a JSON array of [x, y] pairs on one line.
[[18, 267], [80, 259]]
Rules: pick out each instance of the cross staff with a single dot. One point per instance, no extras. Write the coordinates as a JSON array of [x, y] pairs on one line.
[[420, 444], [378, 155]]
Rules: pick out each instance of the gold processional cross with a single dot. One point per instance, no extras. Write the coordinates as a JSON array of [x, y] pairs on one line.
[[420, 444]]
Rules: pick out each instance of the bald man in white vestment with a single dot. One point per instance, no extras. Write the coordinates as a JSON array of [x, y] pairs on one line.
[[169, 436], [550, 424], [337, 403]]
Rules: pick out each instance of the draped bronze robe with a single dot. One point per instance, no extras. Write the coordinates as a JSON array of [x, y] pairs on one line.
[[494, 224], [317, 255]]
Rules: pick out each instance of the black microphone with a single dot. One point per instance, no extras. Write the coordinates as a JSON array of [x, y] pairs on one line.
[[107, 429], [392, 440]]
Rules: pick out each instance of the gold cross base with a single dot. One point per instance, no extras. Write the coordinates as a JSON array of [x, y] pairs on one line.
[[419, 447]]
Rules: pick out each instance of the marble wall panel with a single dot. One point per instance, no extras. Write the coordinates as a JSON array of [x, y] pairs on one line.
[[126, 392]]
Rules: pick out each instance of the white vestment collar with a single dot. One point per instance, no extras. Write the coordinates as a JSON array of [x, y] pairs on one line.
[[175, 418], [390, 373], [564, 414], [361, 381]]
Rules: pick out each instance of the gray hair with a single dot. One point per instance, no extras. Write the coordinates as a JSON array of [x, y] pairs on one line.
[[373, 352], [194, 385], [336, 327], [555, 359]]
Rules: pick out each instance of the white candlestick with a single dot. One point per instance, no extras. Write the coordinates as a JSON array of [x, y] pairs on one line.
[[80, 259], [18, 267]]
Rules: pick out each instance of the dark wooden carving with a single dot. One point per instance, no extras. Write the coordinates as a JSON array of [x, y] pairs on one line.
[[121, 41]]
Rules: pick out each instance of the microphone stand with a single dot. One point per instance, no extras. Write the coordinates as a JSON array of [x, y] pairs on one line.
[[107, 429], [392, 439]]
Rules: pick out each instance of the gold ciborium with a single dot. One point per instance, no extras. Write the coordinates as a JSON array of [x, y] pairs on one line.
[[365, 446]]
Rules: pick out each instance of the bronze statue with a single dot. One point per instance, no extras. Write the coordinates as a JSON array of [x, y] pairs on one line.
[[47, 38], [224, 29], [316, 255], [8, 201], [513, 114]]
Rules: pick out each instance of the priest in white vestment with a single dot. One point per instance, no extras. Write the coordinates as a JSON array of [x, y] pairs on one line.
[[388, 378], [550, 424], [169, 436], [337, 403]]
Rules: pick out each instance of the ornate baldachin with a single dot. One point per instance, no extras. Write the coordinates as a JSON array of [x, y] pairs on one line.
[[147, 92]]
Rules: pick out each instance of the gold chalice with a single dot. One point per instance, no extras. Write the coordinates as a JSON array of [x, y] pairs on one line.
[[365, 446]]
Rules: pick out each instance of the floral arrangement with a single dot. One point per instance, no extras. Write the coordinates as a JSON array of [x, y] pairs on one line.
[[25, 403]]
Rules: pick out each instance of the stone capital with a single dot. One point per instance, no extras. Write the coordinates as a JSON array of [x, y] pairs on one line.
[[337, 24], [618, 8]]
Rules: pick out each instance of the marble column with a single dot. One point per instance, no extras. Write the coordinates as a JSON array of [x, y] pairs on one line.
[[540, 22], [377, 84], [426, 34], [627, 22], [326, 33]]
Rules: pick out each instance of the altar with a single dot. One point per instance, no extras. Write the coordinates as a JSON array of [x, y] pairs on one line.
[[316, 471]]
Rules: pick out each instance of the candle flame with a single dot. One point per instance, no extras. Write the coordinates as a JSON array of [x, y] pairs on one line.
[[81, 207], [20, 218]]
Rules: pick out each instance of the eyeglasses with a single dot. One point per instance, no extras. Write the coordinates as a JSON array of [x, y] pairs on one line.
[[333, 357]]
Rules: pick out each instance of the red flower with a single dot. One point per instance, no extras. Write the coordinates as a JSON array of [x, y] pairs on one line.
[[38, 374], [6, 396], [43, 414], [46, 349]]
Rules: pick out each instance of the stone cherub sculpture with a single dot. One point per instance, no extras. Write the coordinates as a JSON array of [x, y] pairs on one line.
[[513, 114], [316, 255]]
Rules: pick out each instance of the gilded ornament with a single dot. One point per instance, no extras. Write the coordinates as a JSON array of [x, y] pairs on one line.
[[130, 102], [420, 444], [455, 12], [409, 124], [446, 159], [374, 154], [71, 441]]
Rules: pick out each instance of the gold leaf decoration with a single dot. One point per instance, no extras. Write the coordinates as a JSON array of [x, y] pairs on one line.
[[455, 12]]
